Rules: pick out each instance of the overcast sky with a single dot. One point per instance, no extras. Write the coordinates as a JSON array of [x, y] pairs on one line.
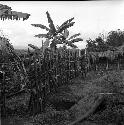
[[91, 18]]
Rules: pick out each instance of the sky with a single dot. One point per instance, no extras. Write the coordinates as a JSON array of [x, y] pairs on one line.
[[91, 18]]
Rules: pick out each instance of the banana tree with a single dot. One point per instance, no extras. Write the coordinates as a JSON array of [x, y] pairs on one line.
[[52, 31], [7, 13], [69, 41], [54, 36]]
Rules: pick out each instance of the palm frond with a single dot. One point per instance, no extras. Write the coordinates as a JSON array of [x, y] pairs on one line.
[[42, 36], [41, 26], [51, 25], [76, 40], [66, 22], [75, 35], [65, 27]]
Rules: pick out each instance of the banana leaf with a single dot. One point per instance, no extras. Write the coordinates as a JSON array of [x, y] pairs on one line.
[[51, 25], [72, 45], [42, 36], [66, 22], [76, 40], [65, 27], [73, 36], [41, 26]]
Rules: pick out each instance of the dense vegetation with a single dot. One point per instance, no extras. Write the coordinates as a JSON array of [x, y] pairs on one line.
[[51, 85]]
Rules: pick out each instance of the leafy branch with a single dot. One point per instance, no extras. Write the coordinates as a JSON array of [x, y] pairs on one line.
[[7, 13]]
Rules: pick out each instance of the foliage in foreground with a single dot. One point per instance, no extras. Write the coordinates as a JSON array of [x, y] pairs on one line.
[[112, 113]]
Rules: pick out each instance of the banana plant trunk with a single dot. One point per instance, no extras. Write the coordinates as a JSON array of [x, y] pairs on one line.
[[35, 102]]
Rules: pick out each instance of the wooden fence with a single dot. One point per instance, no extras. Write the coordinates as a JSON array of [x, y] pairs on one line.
[[63, 65]]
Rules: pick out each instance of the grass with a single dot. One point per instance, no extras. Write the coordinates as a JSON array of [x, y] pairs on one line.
[[85, 92]]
